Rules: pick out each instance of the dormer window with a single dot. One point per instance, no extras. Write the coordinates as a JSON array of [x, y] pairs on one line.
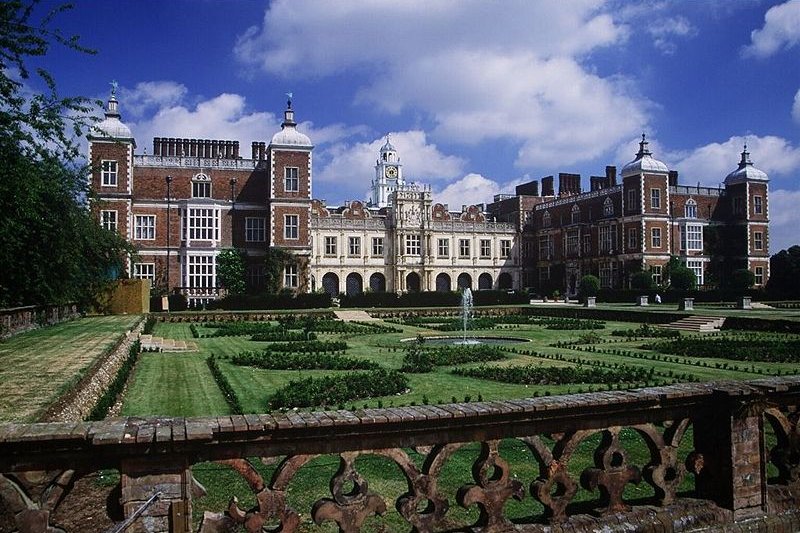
[[575, 214], [201, 186], [691, 209], [608, 208]]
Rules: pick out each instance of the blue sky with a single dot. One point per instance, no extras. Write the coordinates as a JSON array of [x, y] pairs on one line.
[[479, 96]]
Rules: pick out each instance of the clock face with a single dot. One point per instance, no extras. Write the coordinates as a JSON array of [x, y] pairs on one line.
[[391, 172]]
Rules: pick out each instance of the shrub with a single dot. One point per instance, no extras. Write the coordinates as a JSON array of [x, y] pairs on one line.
[[109, 397], [588, 286], [224, 385], [335, 390], [419, 360], [543, 375], [286, 361], [682, 279], [643, 281]]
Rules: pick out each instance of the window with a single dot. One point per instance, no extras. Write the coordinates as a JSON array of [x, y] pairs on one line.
[[608, 275], [443, 248], [330, 245], [144, 227], [486, 248], [108, 174], [655, 198], [692, 237], [463, 248], [587, 244], [377, 246], [546, 247], [202, 271], [696, 266], [291, 227], [354, 245], [108, 219], [608, 234], [758, 206], [290, 277], [575, 214], [291, 180], [758, 240], [203, 225], [412, 244], [201, 186], [255, 276], [656, 271], [759, 275], [632, 238], [144, 271], [608, 207], [691, 209], [632, 200], [655, 238], [255, 229], [546, 219], [572, 242], [544, 274], [505, 248]]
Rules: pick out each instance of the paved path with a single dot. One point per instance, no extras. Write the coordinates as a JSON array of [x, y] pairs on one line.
[[354, 316]]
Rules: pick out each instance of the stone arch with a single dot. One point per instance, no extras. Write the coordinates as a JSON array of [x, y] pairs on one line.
[[354, 284], [377, 282], [330, 283], [413, 282], [443, 283], [485, 282], [505, 281], [464, 281]]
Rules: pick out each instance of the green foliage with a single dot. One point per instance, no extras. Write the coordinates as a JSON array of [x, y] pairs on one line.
[[317, 361], [52, 250], [588, 286], [231, 270], [572, 323], [419, 360], [740, 349], [335, 390], [225, 386], [149, 325], [109, 397], [682, 279], [742, 279], [284, 335], [233, 329], [309, 347], [784, 272], [548, 375], [275, 262], [644, 331], [643, 281]]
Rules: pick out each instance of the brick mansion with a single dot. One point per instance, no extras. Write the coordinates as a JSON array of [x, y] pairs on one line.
[[189, 199]]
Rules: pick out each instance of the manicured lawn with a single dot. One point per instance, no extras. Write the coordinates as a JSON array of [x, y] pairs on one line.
[[37, 366]]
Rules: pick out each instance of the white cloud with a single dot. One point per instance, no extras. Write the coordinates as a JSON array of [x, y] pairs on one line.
[[518, 79], [351, 166], [781, 30], [149, 95], [472, 189], [784, 219], [710, 164], [665, 30], [796, 107], [161, 110]]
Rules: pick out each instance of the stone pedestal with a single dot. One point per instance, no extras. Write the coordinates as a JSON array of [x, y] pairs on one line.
[[745, 302], [686, 304], [590, 301], [172, 511], [642, 300]]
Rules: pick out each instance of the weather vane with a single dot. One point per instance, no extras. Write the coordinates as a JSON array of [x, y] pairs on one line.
[[289, 101], [114, 86]]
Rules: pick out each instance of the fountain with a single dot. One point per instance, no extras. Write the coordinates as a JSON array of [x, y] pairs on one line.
[[466, 313]]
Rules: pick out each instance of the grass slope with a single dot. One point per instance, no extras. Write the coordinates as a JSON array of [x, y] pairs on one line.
[[37, 366]]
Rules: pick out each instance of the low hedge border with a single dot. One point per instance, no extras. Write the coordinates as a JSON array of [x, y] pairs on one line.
[[109, 397], [224, 385]]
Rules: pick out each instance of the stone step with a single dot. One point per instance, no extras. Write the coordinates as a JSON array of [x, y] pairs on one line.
[[354, 316], [697, 323]]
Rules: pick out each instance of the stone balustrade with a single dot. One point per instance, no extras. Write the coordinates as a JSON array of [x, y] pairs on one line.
[[718, 437]]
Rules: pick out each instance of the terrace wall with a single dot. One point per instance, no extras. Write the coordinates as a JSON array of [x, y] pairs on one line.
[[19, 319], [723, 423]]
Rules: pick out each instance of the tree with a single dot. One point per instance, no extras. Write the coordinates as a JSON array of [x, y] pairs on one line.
[[588, 286], [741, 279], [682, 278], [784, 272], [231, 270], [643, 281], [51, 248]]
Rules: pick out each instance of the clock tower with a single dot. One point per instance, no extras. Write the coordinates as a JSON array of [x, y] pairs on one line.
[[388, 176]]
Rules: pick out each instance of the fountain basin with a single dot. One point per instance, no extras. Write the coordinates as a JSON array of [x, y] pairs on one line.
[[470, 341]]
